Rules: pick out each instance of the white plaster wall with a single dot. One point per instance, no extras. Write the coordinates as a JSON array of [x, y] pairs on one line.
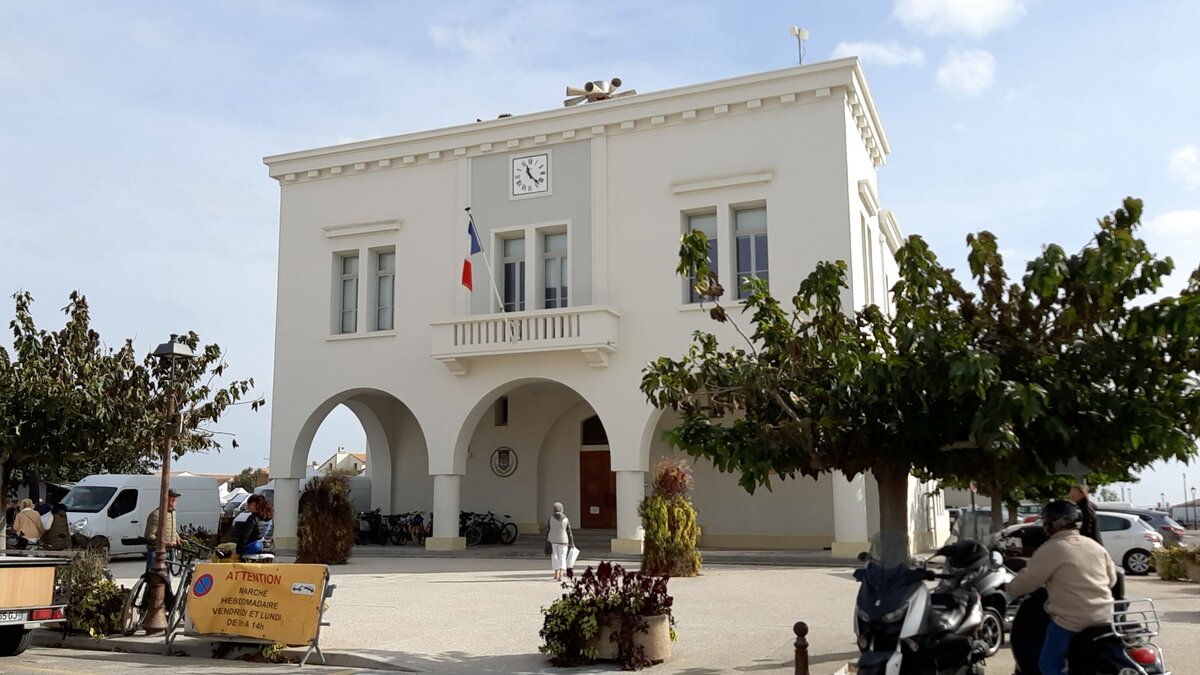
[[792, 508], [412, 486]]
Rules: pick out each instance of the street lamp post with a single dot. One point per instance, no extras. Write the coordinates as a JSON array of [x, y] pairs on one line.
[[1193, 503], [168, 355], [1184, 502]]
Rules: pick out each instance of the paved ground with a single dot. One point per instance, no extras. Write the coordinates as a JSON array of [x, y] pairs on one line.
[[477, 615], [39, 661]]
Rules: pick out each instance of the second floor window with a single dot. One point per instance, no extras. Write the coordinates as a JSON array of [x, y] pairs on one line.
[[349, 294], [750, 232], [385, 291], [706, 223], [554, 270], [513, 275]]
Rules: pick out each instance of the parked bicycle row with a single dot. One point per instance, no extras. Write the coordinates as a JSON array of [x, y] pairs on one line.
[[374, 527]]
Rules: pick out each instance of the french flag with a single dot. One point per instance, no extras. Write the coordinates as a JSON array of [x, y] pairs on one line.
[[475, 248]]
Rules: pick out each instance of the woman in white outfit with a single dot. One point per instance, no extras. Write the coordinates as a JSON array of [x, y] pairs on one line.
[[558, 533]]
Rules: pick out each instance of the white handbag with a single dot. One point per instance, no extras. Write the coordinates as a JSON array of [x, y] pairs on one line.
[[572, 556]]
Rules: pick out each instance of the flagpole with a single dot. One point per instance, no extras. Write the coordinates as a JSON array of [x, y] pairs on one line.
[[491, 276]]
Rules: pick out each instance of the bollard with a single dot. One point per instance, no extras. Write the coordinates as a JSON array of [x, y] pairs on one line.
[[801, 631]]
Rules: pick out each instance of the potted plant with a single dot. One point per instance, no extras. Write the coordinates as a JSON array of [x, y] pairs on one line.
[[612, 614], [1191, 562], [669, 521], [1170, 564]]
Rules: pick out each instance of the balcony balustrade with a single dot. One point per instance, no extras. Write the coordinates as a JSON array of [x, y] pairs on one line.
[[590, 330]]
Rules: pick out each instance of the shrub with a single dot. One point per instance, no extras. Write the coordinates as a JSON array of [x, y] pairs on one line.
[[94, 601], [1171, 563], [327, 525], [608, 594], [669, 521]]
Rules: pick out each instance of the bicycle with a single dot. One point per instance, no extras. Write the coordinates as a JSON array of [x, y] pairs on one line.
[[137, 604]]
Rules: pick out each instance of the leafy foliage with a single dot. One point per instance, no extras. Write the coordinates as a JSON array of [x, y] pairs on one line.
[[69, 406], [94, 601], [249, 478], [1077, 361], [669, 521], [606, 594], [327, 525]]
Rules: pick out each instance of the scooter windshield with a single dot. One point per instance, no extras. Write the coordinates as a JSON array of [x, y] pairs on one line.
[[888, 578]]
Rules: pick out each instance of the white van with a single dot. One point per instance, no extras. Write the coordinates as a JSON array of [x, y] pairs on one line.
[[108, 507]]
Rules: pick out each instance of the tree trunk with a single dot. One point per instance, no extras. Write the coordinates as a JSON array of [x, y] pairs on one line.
[[893, 497], [6, 469], [1013, 516], [997, 507]]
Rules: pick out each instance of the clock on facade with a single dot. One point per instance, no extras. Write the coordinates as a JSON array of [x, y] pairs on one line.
[[530, 174]]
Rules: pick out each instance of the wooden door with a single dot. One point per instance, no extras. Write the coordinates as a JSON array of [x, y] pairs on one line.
[[597, 491]]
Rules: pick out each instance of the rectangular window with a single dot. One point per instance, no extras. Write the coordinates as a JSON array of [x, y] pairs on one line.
[[706, 223], [513, 271], [349, 294], [554, 270], [750, 232], [385, 291]]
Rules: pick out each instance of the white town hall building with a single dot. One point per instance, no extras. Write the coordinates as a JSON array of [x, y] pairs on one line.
[[524, 390]]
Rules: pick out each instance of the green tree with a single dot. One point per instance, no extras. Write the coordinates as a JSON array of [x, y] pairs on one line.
[[249, 479], [70, 405], [1074, 363]]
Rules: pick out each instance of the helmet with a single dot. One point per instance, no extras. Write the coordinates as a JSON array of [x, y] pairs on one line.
[[1060, 515]]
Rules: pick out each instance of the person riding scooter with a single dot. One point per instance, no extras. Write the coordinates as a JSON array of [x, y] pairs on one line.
[[1078, 575]]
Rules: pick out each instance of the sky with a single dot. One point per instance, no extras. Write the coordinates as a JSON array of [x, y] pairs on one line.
[[132, 133]]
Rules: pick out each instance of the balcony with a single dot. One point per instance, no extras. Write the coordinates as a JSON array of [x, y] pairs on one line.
[[592, 331]]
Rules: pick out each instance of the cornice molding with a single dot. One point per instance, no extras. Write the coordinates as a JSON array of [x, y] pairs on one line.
[[736, 96], [356, 229]]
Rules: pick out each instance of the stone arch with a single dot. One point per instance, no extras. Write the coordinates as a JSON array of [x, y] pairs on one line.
[[375, 410]]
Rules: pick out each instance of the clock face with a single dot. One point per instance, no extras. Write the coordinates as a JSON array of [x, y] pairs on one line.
[[530, 175]]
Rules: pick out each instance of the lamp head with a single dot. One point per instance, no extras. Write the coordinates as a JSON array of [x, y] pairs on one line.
[[174, 349]]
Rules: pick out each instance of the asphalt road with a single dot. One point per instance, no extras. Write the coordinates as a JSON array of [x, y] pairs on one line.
[[64, 662]]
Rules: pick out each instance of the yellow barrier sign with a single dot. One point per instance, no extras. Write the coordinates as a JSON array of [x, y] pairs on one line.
[[275, 602]]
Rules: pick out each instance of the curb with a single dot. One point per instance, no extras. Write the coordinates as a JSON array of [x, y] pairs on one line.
[[204, 649]]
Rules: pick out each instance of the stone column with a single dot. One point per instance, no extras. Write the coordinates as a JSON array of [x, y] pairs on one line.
[[631, 490], [445, 514], [849, 516], [287, 513]]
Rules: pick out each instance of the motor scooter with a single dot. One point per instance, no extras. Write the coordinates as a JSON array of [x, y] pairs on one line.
[[1123, 646], [904, 627]]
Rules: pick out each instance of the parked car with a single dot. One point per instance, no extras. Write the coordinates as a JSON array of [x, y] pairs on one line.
[[1128, 539], [1161, 522], [976, 525], [106, 508]]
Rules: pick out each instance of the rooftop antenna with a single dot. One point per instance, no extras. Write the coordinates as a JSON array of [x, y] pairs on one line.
[[596, 90], [801, 34]]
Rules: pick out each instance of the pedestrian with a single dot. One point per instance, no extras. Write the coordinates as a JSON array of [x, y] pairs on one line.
[[1087, 511], [27, 523], [170, 531], [10, 512], [247, 527], [58, 535], [561, 538]]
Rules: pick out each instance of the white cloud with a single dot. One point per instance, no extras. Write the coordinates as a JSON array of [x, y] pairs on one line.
[[967, 71], [1177, 234], [886, 54], [972, 17], [1184, 166]]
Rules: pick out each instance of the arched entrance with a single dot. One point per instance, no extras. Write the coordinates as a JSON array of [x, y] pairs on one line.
[[396, 477]]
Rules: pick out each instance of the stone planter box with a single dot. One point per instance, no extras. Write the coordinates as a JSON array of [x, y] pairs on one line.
[[656, 640], [1193, 571]]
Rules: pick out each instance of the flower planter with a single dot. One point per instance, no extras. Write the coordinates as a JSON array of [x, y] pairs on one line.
[[1193, 571], [656, 639]]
